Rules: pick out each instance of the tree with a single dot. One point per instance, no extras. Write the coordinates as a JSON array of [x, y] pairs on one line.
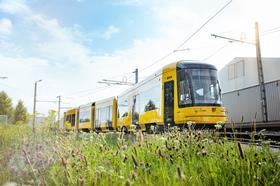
[[6, 106], [20, 113], [150, 106]]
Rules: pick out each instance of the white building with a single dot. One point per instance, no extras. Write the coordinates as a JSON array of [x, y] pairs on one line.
[[241, 91]]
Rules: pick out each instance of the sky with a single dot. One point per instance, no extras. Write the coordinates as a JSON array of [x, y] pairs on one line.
[[73, 44]]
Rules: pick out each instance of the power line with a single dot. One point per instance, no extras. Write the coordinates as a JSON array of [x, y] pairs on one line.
[[271, 29], [189, 38], [155, 62], [43, 101], [267, 33], [120, 75], [70, 96], [215, 52], [203, 25]]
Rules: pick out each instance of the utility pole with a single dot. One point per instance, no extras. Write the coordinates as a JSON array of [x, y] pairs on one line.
[[259, 66], [136, 75], [34, 105], [58, 109], [260, 75]]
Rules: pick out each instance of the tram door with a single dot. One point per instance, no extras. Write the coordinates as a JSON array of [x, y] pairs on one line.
[[169, 102]]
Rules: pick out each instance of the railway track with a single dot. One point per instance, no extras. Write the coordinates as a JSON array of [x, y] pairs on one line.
[[257, 133], [270, 138]]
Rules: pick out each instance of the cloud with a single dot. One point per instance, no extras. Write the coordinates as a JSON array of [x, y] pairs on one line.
[[59, 56], [128, 2], [47, 38], [110, 31], [5, 26], [14, 6]]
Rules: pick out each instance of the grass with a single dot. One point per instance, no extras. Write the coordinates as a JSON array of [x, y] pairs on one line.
[[174, 158]]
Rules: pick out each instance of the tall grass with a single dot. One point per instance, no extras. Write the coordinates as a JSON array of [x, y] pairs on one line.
[[174, 158]]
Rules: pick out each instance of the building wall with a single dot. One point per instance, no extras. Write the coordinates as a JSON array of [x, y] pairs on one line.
[[241, 92], [243, 103], [273, 100], [242, 73], [246, 102]]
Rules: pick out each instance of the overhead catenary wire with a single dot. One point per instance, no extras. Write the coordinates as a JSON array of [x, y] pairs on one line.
[[189, 38], [215, 52], [170, 53], [203, 25], [271, 30]]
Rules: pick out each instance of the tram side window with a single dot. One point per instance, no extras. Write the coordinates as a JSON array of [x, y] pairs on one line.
[[98, 122], [110, 115], [104, 114], [84, 116], [150, 99], [184, 89], [123, 109], [136, 108], [73, 119]]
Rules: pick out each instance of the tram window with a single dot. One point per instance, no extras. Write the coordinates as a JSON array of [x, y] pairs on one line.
[[123, 108], [205, 86], [150, 99], [104, 114], [110, 113], [84, 115], [135, 108], [184, 89], [199, 92], [73, 120], [98, 123]]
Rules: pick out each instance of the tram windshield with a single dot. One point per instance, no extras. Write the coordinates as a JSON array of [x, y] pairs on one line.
[[198, 87]]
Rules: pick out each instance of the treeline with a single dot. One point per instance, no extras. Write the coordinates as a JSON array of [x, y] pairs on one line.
[[17, 115]]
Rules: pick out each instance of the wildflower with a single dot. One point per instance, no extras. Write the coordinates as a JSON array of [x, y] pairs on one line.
[[133, 175], [107, 163], [14, 168], [218, 127], [189, 123]]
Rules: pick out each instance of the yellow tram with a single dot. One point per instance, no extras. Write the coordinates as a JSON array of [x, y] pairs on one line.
[[179, 93], [70, 120]]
